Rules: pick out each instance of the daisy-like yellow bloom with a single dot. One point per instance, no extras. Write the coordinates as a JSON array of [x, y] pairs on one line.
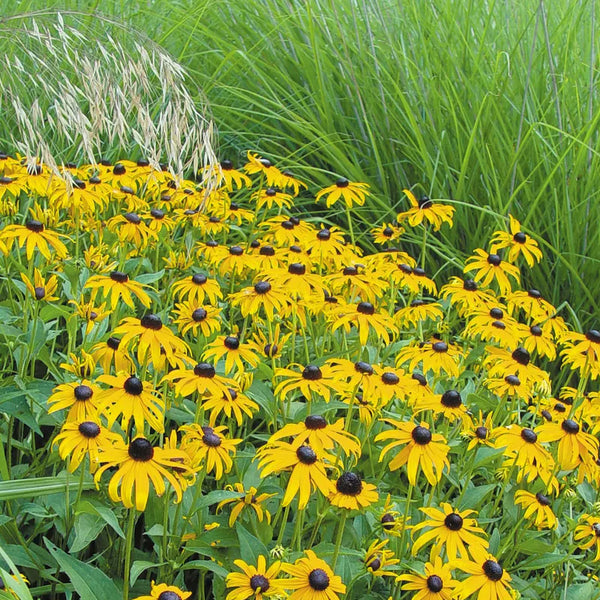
[[233, 403], [196, 289], [289, 180], [39, 288], [391, 520], [377, 559], [499, 362], [574, 445], [110, 353], [535, 339], [132, 398], [117, 286], [387, 232], [531, 303], [307, 469], [246, 499], [181, 261], [78, 439], [523, 446], [11, 186], [351, 192], [490, 267], [81, 398], [486, 577], [97, 259], [326, 245], [162, 591], [467, 296], [273, 345], [197, 319], [236, 214], [271, 298], [202, 379], [229, 177], [537, 509], [426, 210], [139, 464], [320, 435], [75, 197], [418, 311], [494, 325], [313, 579], [209, 448], [130, 227], [412, 278], [155, 342], [354, 282], [392, 383], [358, 375], [518, 243], [436, 584], [449, 405], [263, 166], [82, 365], [589, 528], [233, 261], [34, 235], [481, 432], [255, 582], [452, 530], [422, 448], [352, 493], [297, 280], [312, 380], [436, 356], [510, 386], [90, 313], [582, 352], [234, 352], [159, 220], [365, 319], [270, 197]]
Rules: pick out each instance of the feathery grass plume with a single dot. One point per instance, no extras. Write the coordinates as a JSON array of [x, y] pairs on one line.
[[93, 86]]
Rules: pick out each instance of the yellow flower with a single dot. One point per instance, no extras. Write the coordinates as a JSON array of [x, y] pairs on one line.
[[436, 584], [117, 286], [246, 499], [537, 506], [34, 235], [313, 579], [426, 210], [39, 288], [350, 192], [490, 267], [352, 493], [81, 398], [486, 577], [517, 242], [162, 591], [255, 582]]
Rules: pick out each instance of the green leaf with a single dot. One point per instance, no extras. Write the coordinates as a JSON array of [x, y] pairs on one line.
[[87, 529], [38, 486], [91, 583], [148, 278], [139, 566], [250, 547], [217, 496], [208, 565]]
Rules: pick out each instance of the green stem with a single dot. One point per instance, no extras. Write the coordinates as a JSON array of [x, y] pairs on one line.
[[338, 539], [128, 549]]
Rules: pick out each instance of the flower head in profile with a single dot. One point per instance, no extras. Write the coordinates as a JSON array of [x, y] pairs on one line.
[[245, 499], [255, 582], [349, 192], [378, 558], [538, 509], [426, 210], [40, 288], [587, 534], [312, 579]]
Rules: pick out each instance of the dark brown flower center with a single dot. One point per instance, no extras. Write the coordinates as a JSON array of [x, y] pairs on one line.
[[389, 378], [35, 226], [306, 455], [236, 250], [297, 269], [570, 426], [199, 315], [529, 436], [494, 260], [83, 392], [267, 251], [317, 578], [133, 386], [435, 584], [375, 563], [512, 380], [113, 343], [133, 218], [259, 581], [119, 277], [231, 342], [169, 596], [151, 321], [440, 347], [119, 169], [204, 370], [199, 279], [262, 287], [421, 435], [349, 484], [141, 449], [89, 429], [493, 570], [312, 373], [543, 500], [535, 330], [496, 313], [363, 367], [315, 422], [388, 521], [470, 285], [210, 438], [453, 521], [593, 335], [324, 235], [521, 356], [157, 213], [520, 237], [39, 292], [451, 399], [481, 432], [342, 182], [365, 308]]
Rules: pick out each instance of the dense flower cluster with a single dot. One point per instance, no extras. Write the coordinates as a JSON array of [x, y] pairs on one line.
[[217, 340]]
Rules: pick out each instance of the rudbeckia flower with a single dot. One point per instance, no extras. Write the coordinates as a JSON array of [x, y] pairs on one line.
[[486, 577], [110, 353], [500, 362], [138, 464], [455, 531], [536, 340], [353, 281], [531, 303], [130, 227], [436, 356], [117, 286], [418, 311], [198, 319], [436, 584], [412, 278], [235, 353], [262, 294], [162, 591], [537, 508], [523, 444], [574, 445], [449, 405], [263, 166], [288, 180], [39, 288], [196, 289], [270, 197], [297, 280], [386, 233], [517, 242], [351, 192], [490, 267], [90, 312], [232, 404], [510, 386], [352, 493], [11, 186], [312, 380], [365, 319], [426, 210], [202, 379], [81, 398], [377, 559], [582, 352], [246, 499], [467, 296], [75, 197], [421, 449], [312, 579], [307, 469], [255, 583], [33, 235], [589, 528]]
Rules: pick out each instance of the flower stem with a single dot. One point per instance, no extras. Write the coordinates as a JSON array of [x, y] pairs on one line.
[[338, 540], [128, 549]]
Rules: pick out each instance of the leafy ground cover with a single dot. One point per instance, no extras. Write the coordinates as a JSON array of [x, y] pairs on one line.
[[208, 393]]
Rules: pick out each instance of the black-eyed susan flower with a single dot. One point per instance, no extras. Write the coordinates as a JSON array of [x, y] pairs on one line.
[[255, 582], [90, 312], [589, 527], [491, 267], [263, 166], [155, 342], [196, 289], [523, 444], [130, 227], [204, 320], [117, 286], [131, 398], [81, 365], [411, 278], [574, 445], [582, 352], [518, 243], [434, 356], [426, 209], [233, 404], [350, 192], [352, 493], [312, 579], [449, 405], [436, 584], [78, 439], [418, 311], [386, 232], [501, 363], [392, 383], [486, 577], [359, 375], [288, 180], [228, 176], [494, 325], [270, 197], [452, 530], [364, 318], [110, 353], [80, 397], [391, 520], [307, 469], [422, 448], [467, 296], [297, 280], [236, 354], [354, 281], [481, 432], [537, 341], [34, 235], [246, 499], [325, 245], [378, 558], [162, 591], [40, 288], [139, 464], [11, 186], [538, 509], [209, 447], [263, 294], [202, 379], [531, 303], [310, 380]]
